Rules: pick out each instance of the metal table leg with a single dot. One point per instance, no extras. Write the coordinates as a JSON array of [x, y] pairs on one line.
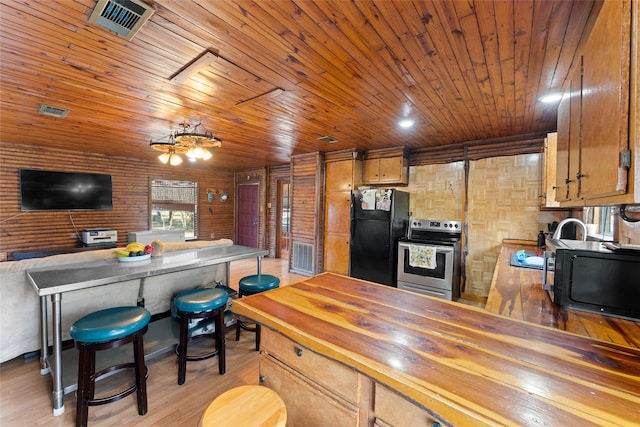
[[58, 388], [44, 337]]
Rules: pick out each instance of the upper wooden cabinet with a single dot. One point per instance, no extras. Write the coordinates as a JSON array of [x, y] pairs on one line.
[[549, 186], [342, 175], [597, 118], [389, 166]]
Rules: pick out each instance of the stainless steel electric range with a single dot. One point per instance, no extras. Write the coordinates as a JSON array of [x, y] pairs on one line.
[[429, 258]]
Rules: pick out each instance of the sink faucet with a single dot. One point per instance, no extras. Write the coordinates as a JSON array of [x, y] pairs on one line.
[[558, 231]]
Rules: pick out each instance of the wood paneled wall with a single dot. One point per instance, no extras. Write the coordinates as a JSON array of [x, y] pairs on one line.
[[131, 180], [307, 201]]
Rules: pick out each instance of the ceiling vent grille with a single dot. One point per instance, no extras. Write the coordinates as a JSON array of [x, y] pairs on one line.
[[49, 110], [122, 17], [328, 139]]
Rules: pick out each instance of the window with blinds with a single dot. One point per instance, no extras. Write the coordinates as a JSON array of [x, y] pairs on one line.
[[174, 206]]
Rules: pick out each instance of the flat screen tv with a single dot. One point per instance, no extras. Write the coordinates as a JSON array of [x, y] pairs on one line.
[[42, 190]]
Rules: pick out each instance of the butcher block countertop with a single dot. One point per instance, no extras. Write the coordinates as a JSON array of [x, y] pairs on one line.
[[517, 292], [465, 365]]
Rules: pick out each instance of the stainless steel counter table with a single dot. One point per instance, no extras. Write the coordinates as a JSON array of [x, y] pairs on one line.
[[54, 282]]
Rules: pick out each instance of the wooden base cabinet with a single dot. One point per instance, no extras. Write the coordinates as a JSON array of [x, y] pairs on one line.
[[391, 409], [317, 391]]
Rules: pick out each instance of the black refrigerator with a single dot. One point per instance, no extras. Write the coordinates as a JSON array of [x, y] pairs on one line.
[[379, 217]]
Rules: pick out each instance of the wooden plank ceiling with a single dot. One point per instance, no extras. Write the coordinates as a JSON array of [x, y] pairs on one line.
[[274, 76]]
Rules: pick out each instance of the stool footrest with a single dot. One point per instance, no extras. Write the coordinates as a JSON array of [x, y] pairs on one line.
[[194, 358], [119, 395]]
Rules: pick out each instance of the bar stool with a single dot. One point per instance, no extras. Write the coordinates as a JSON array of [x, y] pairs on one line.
[[102, 330], [250, 285], [247, 406], [200, 303]]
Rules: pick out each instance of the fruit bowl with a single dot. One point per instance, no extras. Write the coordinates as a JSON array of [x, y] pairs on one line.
[[134, 258]]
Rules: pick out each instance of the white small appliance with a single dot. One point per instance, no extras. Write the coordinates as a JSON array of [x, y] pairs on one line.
[[99, 236]]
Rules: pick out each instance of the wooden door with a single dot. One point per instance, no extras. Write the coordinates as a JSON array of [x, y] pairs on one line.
[[283, 220], [247, 215]]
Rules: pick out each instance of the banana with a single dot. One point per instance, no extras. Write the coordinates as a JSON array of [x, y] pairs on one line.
[[121, 252], [135, 247]]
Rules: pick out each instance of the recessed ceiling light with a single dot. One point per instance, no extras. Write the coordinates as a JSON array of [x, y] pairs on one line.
[[406, 123], [551, 98]]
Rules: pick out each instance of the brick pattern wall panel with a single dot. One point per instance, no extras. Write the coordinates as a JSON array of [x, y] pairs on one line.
[[503, 203], [436, 191]]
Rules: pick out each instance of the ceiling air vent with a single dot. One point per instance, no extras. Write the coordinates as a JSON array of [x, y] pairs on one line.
[[328, 139], [48, 110], [122, 17]]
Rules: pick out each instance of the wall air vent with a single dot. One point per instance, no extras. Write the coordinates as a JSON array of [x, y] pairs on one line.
[[328, 139], [302, 258], [49, 110], [122, 17]]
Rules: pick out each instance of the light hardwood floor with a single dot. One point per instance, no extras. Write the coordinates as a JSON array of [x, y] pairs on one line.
[[25, 395]]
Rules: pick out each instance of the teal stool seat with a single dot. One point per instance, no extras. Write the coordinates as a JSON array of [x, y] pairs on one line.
[[202, 299], [258, 283], [104, 330], [200, 303], [251, 285], [109, 324]]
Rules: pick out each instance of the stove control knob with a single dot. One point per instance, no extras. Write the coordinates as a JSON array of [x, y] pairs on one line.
[[456, 225]]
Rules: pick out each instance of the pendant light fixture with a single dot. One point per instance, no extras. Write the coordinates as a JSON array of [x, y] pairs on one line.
[[186, 141]]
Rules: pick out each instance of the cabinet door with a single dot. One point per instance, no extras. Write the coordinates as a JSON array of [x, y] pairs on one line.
[[337, 231], [339, 175], [391, 169], [568, 142], [371, 171], [307, 403], [336, 253], [562, 152], [338, 211], [605, 103], [549, 171]]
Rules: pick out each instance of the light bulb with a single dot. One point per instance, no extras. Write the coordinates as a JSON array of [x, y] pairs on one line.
[[175, 160], [206, 154], [164, 157]]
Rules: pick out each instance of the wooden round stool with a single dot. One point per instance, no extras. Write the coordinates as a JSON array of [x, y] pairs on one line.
[[247, 406], [251, 285]]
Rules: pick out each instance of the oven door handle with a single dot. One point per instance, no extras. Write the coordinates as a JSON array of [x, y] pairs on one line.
[[439, 248]]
